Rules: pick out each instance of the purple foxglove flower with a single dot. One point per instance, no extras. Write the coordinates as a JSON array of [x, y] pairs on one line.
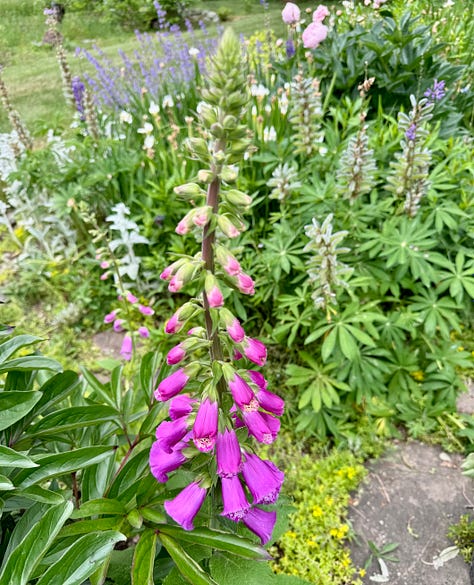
[[117, 326], [263, 479], [110, 317], [175, 284], [180, 406], [145, 310], [258, 427], [272, 423], [167, 273], [245, 284], [232, 267], [261, 523], [162, 463], [143, 332], [229, 458], [215, 298], [205, 426], [234, 499], [236, 331], [182, 227], [127, 348], [131, 298], [271, 402], [184, 507], [242, 393], [170, 433], [173, 325], [105, 276], [171, 385], [176, 355], [255, 351], [258, 379]]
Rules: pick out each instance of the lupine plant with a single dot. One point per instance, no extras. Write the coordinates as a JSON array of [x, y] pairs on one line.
[[224, 404]]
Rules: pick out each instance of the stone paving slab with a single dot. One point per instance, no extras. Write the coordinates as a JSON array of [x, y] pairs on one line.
[[411, 497]]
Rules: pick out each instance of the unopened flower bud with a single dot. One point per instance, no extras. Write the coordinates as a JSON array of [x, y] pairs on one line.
[[206, 176], [245, 284], [236, 197], [227, 227], [227, 261], [229, 174], [213, 292], [189, 190]]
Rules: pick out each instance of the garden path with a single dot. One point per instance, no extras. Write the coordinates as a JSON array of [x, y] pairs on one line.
[[411, 496]]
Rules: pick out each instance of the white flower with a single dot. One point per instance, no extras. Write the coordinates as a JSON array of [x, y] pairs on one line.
[[448, 4], [149, 142], [254, 111], [268, 108], [269, 134], [283, 103], [168, 101], [126, 117], [193, 52], [147, 128], [154, 109], [259, 91]]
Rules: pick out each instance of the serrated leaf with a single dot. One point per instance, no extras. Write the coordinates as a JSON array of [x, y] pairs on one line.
[[144, 559], [15, 405], [81, 559], [18, 566], [186, 565], [11, 458]]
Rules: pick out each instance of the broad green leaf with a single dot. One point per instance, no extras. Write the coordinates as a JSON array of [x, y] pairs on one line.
[[99, 388], [348, 345], [217, 539], [15, 405], [31, 362], [71, 418], [18, 566], [87, 526], [11, 458], [116, 385], [144, 559], [328, 345], [129, 475], [99, 507], [5, 484], [56, 389], [228, 570], [153, 515], [82, 559], [61, 463], [8, 348], [39, 494], [96, 478], [187, 566]]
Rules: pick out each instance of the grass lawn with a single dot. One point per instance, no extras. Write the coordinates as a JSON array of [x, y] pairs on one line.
[[31, 71]]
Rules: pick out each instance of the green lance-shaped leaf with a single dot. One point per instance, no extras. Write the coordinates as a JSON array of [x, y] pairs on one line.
[[15, 405], [18, 566], [144, 559], [100, 506], [186, 565], [61, 463], [11, 458], [217, 539], [29, 363], [81, 559], [8, 348]]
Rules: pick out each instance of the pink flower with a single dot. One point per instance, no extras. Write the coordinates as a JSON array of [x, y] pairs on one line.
[[171, 385], [258, 379], [201, 216], [227, 227], [236, 331], [176, 284], [291, 13], [126, 350], [110, 317], [180, 406], [245, 284], [227, 261], [176, 355], [170, 433], [162, 463], [320, 13], [167, 273], [131, 298], [145, 310], [214, 297], [185, 506], [271, 402], [104, 265], [314, 34], [173, 325], [229, 458], [143, 332], [182, 227], [242, 393], [233, 497], [104, 276], [263, 479], [255, 351], [258, 427], [205, 426], [118, 325], [261, 523]]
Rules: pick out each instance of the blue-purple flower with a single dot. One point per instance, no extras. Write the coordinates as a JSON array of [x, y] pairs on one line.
[[437, 92], [261, 523]]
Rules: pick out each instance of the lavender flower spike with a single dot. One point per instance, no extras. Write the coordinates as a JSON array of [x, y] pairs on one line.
[[184, 507]]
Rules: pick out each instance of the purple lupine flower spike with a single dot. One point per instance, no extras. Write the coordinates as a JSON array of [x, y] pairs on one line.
[[185, 506]]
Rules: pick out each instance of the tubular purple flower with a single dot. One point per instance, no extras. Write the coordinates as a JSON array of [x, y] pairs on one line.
[[117, 326], [236, 331], [126, 350], [180, 406], [173, 325], [263, 479], [206, 425], [110, 317], [143, 332], [171, 385], [170, 433], [271, 402], [258, 379], [162, 463], [185, 506], [261, 523], [229, 458], [241, 392], [176, 355], [272, 423], [131, 298], [233, 497], [255, 351], [144, 310], [258, 427]]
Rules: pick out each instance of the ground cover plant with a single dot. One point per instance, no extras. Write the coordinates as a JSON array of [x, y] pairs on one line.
[[324, 170]]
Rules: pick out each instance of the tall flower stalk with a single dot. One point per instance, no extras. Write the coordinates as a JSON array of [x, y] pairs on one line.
[[14, 118], [219, 402]]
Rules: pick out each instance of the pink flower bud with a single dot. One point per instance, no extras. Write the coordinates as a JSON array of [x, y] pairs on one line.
[[202, 216], [145, 310], [176, 355], [182, 228], [171, 385], [236, 331], [118, 325], [320, 13], [104, 276], [143, 332], [215, 298], [314, 34], [110, 317], [227, 227], [245, 284], [167, 273], [291, 13], [127, 348], [176, 284], [227, 261], [131, 298], [104, 265], [173, 325]]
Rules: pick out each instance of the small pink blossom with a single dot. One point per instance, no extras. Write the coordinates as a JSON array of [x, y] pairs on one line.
[[291, 13], [176, 284], [320, 13], [215, 298], [232, 267], [110, 317], [145, 310], [104, 276], [127, 348], [182, 228], [176, 355], [104, 265], [255, 351], [167, 273], [131, 298], [143, 332], [245, 284], [236, 331], [118, 328], [173, 325], [314, 34]]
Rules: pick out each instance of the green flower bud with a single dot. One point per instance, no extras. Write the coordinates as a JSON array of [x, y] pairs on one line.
[[229, 174], [189, 190], [236, 197], [206, 176]]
